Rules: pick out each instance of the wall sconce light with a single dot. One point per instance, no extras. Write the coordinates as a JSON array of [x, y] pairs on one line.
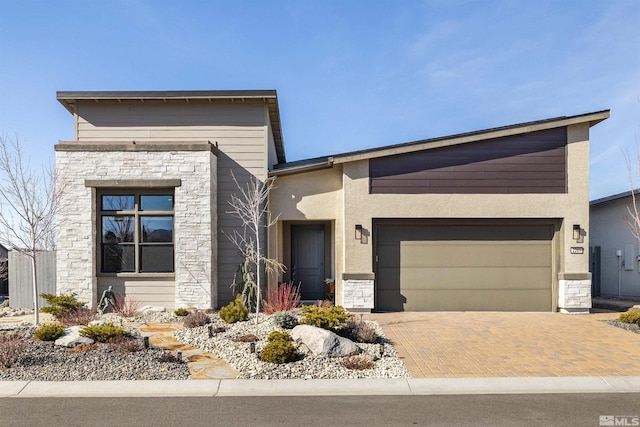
[[578, 233], [359, 232]]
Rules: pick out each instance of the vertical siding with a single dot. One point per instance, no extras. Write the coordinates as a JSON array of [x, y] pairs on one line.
[[20, 278], [240, 131]]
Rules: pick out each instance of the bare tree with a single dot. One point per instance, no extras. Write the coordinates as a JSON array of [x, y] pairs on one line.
[[27, 207], [250, 205]]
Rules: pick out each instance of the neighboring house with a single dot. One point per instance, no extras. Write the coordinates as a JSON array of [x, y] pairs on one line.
[[488, 220], [615, 251], [4, 273]]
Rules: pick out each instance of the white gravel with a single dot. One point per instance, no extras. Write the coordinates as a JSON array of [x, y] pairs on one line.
[[238, 355], [46, 362]]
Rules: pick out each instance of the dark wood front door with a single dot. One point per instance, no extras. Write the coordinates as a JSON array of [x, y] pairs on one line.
[[307, 260]]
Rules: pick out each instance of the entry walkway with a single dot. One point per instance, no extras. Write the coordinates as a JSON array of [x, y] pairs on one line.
[[202, 365], [492, 344]]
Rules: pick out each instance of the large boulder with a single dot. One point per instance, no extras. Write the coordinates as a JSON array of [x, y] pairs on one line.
[[72, 337], [322, 342]]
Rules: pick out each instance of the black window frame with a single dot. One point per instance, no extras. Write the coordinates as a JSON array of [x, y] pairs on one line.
[[124, 245]]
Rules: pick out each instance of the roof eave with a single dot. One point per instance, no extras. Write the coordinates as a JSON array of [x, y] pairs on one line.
[[590, 118]]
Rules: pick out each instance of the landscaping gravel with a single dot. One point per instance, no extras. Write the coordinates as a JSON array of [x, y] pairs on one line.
[[238, 355], [46, 362]]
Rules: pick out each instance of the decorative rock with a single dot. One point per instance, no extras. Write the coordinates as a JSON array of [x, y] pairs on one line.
[[72, 337], [151, 308], [322, 342]]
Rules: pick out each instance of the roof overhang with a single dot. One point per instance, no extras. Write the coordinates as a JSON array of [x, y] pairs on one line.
[[624, 194], [270, 97], [429, 144]]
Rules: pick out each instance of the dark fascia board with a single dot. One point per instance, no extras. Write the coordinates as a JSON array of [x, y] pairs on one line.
[[69, 98], [614, 197], [425, 144]]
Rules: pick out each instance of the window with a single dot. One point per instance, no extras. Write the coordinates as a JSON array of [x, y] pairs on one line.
[[136, 232]]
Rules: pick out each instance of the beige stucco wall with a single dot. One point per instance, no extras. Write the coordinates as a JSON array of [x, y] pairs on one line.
[[342, 194], [312, 196]]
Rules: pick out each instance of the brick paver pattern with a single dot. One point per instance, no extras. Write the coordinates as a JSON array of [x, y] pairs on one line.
[[491, 344]]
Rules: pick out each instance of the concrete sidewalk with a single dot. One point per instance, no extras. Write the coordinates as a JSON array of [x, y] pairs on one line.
[[358, 387]]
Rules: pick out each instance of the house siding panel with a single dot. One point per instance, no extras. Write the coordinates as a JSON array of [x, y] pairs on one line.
[[237, 129], [528, 163]]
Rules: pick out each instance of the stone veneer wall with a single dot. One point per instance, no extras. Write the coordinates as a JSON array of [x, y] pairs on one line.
[[195, 217], [358, 292], [574, 296]]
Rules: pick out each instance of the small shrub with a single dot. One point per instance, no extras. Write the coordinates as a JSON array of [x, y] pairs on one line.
[[181, 312], [324, 317], [246, 338], [103, 333], [123, 345], [61, 304], [219, 329], [279, 349], [126, 306], [285, 297], [284, 319], [167, 357], [631, 316], [83, 348], [360, 332], [79, 316], [195, 319], [323, 303], [11, 347], [49, 332], [235, 311], [358, 362]]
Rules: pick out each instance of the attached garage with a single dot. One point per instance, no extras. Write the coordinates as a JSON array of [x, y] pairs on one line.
[[453, 266]]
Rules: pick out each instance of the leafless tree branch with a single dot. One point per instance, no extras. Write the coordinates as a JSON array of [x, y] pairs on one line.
[[27, 206], [250, 205]]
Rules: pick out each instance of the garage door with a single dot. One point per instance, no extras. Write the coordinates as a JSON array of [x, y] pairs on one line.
[[463, 267]]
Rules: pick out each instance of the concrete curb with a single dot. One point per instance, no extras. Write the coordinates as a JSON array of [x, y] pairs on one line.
[[297, 387]]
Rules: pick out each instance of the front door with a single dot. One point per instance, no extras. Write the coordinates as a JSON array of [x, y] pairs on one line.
[[307, 260]]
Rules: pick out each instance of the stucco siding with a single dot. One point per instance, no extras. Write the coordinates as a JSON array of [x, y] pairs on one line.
[[610, 231]]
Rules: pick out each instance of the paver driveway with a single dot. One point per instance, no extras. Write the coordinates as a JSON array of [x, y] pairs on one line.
[[492, 344]]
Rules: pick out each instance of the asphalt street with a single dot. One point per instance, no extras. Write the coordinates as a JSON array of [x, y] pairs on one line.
[[453, 410]]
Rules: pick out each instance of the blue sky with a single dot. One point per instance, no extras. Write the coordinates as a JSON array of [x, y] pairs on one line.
[[349, 74]]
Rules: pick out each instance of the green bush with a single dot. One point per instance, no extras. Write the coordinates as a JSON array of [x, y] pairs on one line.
[[49, 332], [103, 333], [324, 317], [279, 349], [62, 304], [631, 316], [284, 319], [235, 311], [181, 312]]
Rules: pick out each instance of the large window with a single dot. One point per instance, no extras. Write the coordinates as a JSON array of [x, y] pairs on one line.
[[136, 231]]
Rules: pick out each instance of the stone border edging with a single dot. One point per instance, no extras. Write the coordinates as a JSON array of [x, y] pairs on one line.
[[298, 387]]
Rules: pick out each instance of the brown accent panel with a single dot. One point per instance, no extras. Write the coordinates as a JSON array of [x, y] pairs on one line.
[[530, 163]]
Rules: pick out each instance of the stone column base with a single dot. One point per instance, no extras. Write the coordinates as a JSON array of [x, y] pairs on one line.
[[574, 293]]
